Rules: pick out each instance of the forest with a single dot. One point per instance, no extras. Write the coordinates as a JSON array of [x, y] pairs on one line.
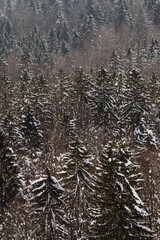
[[79, 120]]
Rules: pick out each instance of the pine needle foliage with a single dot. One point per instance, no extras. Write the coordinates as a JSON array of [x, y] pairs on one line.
[[119, 211]]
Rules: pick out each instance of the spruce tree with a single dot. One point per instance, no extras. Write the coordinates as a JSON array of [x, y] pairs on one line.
[[136, 104], [41, 103], [31, 143], [6, 94], [30, 131], [77, 179], [46, 205], [122, 14], [81, 86], [118, 211], [9, 174], [10, 127], [156, 13], [102, 102]]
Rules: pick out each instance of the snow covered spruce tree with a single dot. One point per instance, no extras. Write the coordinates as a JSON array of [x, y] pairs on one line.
[[102, 102], [76, 176], [135, 108], [81, 87], [11, 130], [118, 211], [9, 175], [6, 94], [41, 99], [31, 143], [32, 134], [49, 218]]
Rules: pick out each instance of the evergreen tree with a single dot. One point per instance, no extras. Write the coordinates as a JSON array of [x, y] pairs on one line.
[[154, 49], [32, 134], [40, 97], [52, 41], [88, 28], [70, 5], [6, 94], [26, 56], [135, 106], [139, 55], [6, 38], [11, 130], [68, 124], [36, 44], [156, 14], [122, 14], [46, 204], [64, 38], [62, 91], [118, 211], [81, 86], [63, 105], [76, 38], [151, 4], [9, 8], [9, 174], [77, 178], [23, 90], [31, 143], [102, 102], [115, 65], [141, 29]]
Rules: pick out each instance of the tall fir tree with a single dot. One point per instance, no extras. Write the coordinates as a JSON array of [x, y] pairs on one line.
[[102, 101], [30, 131], [76, 176], [46, 206], [136, 104], [118, 211], [9, 174]]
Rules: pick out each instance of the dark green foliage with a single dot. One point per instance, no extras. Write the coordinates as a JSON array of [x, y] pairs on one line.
[[81, 86], [30, 129], [115, 64], [151, 4], [70, 5], [34, 45], [154, 48], [141, 29], [102, 102], [46, 190], [11, 130], [64, 38], [118, 212], [41, 103], [9, 172], [89, 28], [26, 56], [6, 37], [76, 167], [54, 86], [122, 14], [53, 41], [68, 124], [6, 94], [75, 24], [136, 104], [77, 180], [46, 203], [157, 14]]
